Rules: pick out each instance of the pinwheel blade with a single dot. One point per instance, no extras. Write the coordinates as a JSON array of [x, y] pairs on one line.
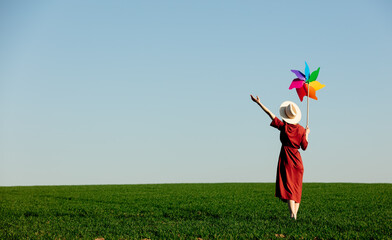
[[307, 72], [299, 74], [316, 85], [303, 91], [296, 83], [313, 76], [312, 91]]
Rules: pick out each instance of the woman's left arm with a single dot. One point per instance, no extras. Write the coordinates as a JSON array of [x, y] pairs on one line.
[[265, 109]]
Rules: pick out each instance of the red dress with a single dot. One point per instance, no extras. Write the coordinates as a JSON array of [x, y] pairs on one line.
[[290, 168]]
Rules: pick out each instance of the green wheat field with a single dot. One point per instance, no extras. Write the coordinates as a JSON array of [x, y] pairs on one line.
[[195, 211]]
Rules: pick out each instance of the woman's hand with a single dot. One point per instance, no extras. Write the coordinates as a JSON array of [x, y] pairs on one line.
[[307, 133], [266, 110], [256, 100]]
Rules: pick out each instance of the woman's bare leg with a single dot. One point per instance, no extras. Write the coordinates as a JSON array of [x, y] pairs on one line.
[[296, 209], [292, 208]]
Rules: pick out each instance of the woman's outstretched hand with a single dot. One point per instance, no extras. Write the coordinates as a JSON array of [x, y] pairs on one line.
[[266, 110], [256, 100]]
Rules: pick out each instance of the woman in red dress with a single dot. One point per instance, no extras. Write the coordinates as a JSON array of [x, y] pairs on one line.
[[290, 168]]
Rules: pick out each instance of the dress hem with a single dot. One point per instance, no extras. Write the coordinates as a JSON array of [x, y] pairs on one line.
[[286, 200]]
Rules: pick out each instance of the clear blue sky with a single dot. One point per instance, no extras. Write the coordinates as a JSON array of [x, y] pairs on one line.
[[129, 92]]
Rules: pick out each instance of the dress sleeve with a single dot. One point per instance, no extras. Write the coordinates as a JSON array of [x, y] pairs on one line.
[[276, 123], [304, 143]]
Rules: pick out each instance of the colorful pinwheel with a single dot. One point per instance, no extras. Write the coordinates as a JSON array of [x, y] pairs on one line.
[[305, 81]]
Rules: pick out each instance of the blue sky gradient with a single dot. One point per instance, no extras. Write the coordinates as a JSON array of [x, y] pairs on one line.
[[129, 92]]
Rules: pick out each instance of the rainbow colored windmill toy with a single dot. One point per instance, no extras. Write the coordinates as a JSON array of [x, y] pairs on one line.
[[303, 80]]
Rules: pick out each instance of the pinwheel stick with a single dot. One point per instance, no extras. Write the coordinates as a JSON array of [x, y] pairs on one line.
[[307, 112]]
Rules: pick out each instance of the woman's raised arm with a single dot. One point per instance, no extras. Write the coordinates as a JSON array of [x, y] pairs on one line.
[[266, 110]]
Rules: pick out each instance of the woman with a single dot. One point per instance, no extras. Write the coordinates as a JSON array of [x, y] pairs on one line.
[[290, 168]]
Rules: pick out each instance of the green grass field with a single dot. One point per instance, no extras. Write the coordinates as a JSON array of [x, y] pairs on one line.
[[195, 211]]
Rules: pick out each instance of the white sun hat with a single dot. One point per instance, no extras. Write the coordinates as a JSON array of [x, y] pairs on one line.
[[290, 112]]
